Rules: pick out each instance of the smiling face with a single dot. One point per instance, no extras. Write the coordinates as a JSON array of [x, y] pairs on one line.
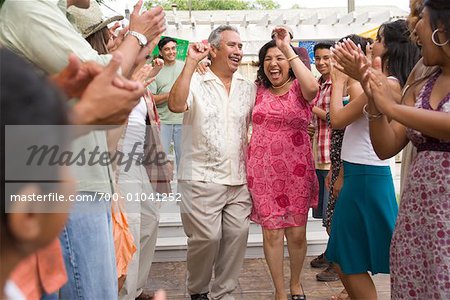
[[229, 53], [430, 52], [378, 48], [169, 52], [276, 66], [323, 61]]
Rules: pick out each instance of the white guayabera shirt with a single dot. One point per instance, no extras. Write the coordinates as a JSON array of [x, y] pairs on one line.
[[215, 130]]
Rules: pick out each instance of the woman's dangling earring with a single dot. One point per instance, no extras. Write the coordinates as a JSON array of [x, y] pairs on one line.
[[433, 38]]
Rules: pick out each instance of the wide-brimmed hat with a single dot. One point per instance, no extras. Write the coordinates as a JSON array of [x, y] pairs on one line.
[[90, 20]]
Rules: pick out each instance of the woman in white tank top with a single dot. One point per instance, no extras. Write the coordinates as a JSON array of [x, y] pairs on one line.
[[365, 213]]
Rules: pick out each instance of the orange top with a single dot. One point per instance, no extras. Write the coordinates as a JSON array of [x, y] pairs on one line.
[[41, 271]]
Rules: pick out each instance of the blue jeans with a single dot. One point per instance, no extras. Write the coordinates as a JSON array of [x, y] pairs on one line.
[[169, 133], [321, 211], [53, 296], [88, 250]]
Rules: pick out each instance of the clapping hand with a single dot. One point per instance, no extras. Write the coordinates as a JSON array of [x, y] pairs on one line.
[[76, 76], [336, 75], [117, 38], [105, 102], [150, 23], [379, 86], [347, 56]]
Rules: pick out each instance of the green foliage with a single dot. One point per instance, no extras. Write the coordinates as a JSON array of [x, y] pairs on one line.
[[215, 4], [264, 4]]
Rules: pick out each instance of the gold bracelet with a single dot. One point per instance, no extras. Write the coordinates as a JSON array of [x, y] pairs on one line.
[[369, 116], [292, 58]]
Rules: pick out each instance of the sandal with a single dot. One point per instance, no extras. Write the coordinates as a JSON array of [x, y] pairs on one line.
[[299, 296], [343, 295]]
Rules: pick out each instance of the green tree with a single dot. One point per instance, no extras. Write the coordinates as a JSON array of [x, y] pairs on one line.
[[215, 4], [265, 4]]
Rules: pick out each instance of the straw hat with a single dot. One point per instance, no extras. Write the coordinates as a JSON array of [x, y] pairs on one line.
[[90, 20]]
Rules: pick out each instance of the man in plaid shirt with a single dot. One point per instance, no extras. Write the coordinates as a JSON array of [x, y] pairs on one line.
[[322, 146]]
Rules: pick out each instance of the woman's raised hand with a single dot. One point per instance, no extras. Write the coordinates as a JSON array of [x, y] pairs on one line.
[[282, 38], [337, 76]]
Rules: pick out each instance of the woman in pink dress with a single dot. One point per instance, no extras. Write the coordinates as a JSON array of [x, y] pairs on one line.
[[280, 167]]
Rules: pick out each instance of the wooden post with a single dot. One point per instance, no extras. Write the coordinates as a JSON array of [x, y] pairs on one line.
[[351, 5]]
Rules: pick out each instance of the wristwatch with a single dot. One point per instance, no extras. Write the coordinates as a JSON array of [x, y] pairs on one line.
[[140, 37]]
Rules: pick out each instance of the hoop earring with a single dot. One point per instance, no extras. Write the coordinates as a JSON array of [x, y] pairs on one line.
[[433, 38]]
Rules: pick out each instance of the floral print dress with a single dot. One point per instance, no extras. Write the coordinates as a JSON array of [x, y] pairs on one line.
[[280, 167], [420, 247]]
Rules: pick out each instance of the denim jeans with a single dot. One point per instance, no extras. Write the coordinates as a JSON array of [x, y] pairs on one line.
[[53, 296], [88, 250], [321, 211], [169, 133]]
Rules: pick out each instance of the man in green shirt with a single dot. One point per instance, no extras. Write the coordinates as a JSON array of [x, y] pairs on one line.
[[171, 123]]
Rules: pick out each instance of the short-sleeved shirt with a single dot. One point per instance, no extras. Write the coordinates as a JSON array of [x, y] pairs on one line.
[[163, 84], [323, 131], [215, 130]]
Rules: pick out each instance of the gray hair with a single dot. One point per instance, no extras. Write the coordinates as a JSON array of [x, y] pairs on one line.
[[216, 35]]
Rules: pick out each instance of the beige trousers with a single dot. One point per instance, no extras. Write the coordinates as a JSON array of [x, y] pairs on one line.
[[143, 219], [216, 220]]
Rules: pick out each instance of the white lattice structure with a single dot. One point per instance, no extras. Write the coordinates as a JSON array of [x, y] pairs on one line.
[[255, 26]]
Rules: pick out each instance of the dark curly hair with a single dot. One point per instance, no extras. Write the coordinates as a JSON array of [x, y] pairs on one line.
[[261, 76]]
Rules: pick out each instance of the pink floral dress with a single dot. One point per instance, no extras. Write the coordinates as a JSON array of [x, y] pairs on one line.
[[280, 167]]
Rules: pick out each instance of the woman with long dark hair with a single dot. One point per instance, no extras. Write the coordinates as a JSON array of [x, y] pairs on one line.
[[366, 209], [420, 253]]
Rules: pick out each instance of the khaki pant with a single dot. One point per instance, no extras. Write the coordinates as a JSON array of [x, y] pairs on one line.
[[216, 220], [143, 219]]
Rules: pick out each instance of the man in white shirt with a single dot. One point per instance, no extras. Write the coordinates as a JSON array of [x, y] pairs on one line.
[[212, 181]]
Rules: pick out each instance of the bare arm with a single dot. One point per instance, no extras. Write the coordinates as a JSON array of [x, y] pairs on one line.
[[150, 23], [388, 138], [320, 113], [431, 123], [161, 98], [179, 93], [340, 115]]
